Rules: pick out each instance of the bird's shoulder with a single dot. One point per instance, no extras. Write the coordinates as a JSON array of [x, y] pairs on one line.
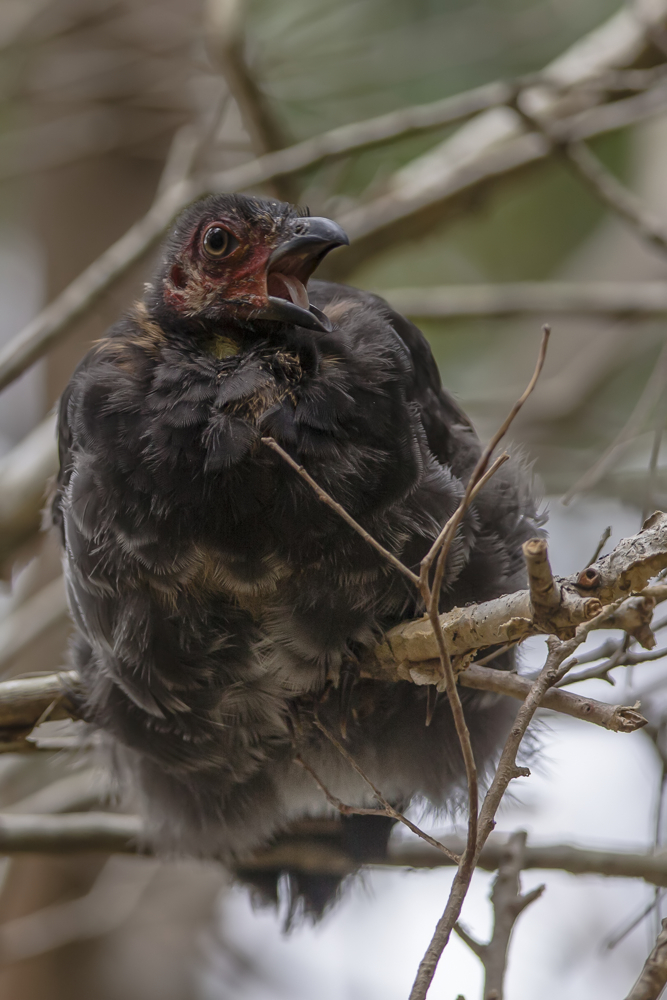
[[449, 431]]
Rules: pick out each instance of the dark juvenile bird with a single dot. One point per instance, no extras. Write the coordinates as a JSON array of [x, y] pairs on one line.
[[217, 602]]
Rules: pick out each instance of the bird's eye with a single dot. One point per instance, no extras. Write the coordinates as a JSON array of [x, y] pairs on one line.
[[218, 242]]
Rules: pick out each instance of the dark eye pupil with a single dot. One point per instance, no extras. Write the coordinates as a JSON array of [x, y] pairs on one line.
[[216, 240]]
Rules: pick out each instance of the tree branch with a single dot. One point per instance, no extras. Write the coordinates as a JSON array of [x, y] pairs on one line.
[[429, 189], [544, 592], [340, 510], [385, 809], [598, 298], [508, 904], [225, 41], [607, 188], [653, 976], [508, 619], [506, 771], [408, 651], [299, 848], [495, 152], [617, 718]]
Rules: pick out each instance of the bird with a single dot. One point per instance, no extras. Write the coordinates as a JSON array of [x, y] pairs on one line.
[[219, 607]]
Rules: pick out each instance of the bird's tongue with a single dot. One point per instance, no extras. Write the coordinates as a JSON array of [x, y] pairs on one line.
[[287, 286]]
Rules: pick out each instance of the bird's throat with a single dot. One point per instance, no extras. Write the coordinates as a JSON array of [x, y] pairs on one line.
[[289, 287]]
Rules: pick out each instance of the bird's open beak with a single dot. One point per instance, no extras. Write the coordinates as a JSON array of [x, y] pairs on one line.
[[291, 265]]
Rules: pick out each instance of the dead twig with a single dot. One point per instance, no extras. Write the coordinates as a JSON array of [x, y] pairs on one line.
[[508, 905], [617, 718], [431, 596], [385, 809], [544, 592], [340, 510], [653, 976], [506, 771], [440, 549], [604, 538], [452, 524]]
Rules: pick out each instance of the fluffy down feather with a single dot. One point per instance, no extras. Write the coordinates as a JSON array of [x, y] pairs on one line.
[[216, 599]]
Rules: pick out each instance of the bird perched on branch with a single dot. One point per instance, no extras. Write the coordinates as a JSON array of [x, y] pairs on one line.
[[218, 602]]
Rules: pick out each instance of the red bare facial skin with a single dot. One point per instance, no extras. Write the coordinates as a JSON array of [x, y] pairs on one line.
[[197, 281]]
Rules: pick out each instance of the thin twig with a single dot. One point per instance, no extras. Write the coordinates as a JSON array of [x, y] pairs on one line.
[[508, 905], [483, 460], [386, 810], [619, 935], [651, 479], [623, 658], [330, 502], [431, 595], [604, 538], [650, 393], [507, 770]]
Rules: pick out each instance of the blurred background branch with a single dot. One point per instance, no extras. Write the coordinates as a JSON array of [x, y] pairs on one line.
[[400, 121]]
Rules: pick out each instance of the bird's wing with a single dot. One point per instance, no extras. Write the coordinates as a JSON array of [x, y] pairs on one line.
[[450, 434]]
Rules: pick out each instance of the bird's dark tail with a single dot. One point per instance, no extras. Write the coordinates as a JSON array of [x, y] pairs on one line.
[[306, 894]]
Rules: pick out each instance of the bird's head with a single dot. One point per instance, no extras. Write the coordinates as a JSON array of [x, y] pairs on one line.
[[239, 259]]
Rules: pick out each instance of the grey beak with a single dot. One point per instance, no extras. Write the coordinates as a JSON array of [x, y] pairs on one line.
[[311, 241]]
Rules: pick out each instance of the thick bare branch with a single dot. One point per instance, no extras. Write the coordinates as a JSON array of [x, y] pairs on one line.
[[410, 652], [494, 149], [625, 571], [599, 298], [24, 700], [111, 832]]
